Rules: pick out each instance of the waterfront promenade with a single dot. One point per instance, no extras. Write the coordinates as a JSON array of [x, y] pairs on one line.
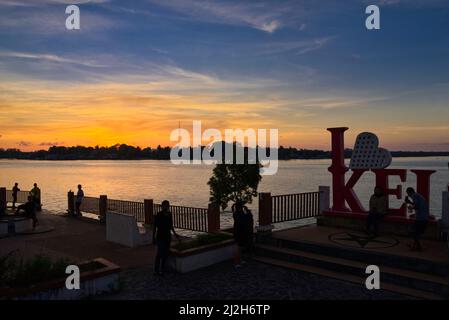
[[77, 240], [84, 239]]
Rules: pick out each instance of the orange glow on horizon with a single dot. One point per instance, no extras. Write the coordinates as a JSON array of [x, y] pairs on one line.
[[36, 115]]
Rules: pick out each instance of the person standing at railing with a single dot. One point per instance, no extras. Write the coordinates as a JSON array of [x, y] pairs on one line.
[[15, 191], [35, 193], [243, 230], [421, 207], [79, 200], [162, 228]]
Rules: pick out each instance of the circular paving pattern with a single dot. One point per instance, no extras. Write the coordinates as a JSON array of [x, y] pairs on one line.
[[356, 239]]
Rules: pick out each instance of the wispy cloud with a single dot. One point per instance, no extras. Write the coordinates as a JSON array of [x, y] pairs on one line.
[[34, 3], [294, 47], [265, 16], [50, 144], [50, 58], [414, 3], [25, 143]]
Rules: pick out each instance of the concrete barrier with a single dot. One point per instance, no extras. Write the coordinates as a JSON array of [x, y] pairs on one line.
[[445, 209], [201, 257], [104, 279], [123, 229]]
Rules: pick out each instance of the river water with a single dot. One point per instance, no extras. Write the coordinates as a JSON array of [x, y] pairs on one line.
[[187, 184]]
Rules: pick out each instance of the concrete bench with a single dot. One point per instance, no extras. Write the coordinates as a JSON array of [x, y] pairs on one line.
[[17, 225], [123, 229]]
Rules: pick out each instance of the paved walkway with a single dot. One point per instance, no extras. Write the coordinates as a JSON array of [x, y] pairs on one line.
[[80, 240], [253, 281], [77, 240]]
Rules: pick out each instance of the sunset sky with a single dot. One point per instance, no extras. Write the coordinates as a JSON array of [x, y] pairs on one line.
[[138, 68]]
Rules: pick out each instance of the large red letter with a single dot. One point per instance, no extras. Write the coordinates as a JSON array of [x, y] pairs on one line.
[[423, 182], [340, 190], [382, 181]]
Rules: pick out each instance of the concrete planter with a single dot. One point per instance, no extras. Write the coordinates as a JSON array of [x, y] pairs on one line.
[[200, 257], [94, 282], [22, 225], [123, 229], [13, 224]]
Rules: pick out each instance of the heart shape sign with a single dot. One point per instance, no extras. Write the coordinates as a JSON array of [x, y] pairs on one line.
[[367, 154]]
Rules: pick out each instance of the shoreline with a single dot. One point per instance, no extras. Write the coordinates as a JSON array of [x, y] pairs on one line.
[[168, 159]]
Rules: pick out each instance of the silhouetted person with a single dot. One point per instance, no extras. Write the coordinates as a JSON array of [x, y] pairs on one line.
[[30, 210], [377, 210], [162, 228], [419, 204], [15, 191], [79, 200], [243, 230], [2, 209], [35, 193]]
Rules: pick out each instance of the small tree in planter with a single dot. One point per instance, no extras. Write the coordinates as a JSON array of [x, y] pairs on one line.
[[233, 182]]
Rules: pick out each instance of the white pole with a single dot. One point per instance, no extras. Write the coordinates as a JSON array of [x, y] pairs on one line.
[[324, 198]]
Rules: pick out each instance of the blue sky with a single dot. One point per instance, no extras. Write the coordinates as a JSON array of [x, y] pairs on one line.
[[136, 68]]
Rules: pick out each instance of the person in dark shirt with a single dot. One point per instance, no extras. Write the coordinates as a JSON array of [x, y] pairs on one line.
[[377, 210], [79, 200], [419, 204], [35, 193], [15, 191], [30, 210], [162, 228], [243, 230]]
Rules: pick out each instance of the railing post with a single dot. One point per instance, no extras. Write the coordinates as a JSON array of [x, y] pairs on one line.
[[70, 203], [148, 210], [2, 200], [325, 192], [103, 207], [445, 209], [265, 213], [213, 218]]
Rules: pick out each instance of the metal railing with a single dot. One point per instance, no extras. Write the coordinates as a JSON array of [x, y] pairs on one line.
[[290, 207], [133, 208], [188, 218], [22, 196], [90, 205]]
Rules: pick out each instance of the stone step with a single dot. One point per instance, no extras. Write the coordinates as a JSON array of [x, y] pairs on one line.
[[372, 257], [348, 278], [407, 278]]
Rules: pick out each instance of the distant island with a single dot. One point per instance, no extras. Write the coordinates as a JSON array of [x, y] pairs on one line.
[[126, 152]]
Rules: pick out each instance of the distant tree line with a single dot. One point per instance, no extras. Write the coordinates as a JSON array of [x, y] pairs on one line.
[[126, 152]]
